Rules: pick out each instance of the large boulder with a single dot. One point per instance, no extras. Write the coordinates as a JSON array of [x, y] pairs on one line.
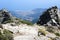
[[50, 17], [4, 15]]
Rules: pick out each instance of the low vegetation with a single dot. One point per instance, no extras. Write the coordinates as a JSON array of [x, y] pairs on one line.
[[8, 21], [57, 34], [24, 22], [18, 21], [6, 35]]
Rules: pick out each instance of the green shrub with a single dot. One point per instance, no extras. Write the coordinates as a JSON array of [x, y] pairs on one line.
[[57, 34], [6, 35], [26, 22], [18, 21], [7, 21]]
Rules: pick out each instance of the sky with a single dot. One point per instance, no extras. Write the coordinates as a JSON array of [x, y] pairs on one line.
[[28, 4]]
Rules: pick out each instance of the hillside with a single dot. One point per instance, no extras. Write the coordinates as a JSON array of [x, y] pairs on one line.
[[12, 28]]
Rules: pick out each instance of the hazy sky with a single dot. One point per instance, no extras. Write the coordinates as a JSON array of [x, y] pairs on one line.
[[28, 4]]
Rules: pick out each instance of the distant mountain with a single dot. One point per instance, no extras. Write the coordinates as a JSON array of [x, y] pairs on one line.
[[32, 15], [37, 13]]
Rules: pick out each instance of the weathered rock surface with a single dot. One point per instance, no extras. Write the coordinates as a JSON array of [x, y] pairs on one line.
[[27, 32], [50, 17], [57, 38]]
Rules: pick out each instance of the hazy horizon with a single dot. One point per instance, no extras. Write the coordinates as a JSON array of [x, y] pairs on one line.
[[28, 4]]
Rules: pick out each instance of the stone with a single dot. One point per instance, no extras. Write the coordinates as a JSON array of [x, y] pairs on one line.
[[43, 38], [51, 35]]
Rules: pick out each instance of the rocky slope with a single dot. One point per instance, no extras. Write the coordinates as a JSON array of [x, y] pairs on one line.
[[16, 29], [34, 32], [50, 17]]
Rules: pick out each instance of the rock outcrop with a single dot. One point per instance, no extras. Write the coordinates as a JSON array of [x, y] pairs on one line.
[[50, 17], [4, 15]]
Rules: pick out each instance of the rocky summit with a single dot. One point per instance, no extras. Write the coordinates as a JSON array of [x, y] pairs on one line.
[[50, 17], [4, 15]]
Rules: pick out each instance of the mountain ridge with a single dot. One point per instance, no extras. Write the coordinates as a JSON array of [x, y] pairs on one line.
[[29, 15]]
